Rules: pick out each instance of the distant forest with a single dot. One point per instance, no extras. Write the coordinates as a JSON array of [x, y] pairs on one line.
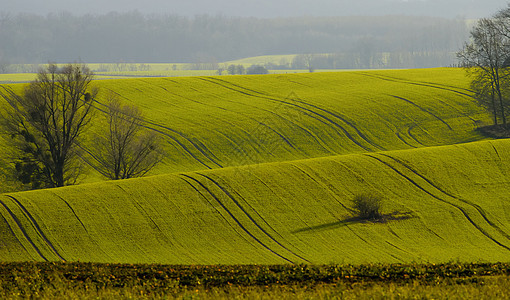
[[336, 42]]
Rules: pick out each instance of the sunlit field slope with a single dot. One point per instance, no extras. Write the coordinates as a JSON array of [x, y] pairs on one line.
[[441, 204], [214, 122]]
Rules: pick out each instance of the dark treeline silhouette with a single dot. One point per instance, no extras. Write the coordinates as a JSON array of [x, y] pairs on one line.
[[135, 37]]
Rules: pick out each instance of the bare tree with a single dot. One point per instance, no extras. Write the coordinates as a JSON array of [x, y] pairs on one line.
[[126, 149], [486, 58], [46, 121]]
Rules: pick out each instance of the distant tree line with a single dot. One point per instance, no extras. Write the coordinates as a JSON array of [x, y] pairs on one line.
[[352, 42], [486, 57]]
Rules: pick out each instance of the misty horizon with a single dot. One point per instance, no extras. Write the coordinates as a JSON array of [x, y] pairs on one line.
[[470, 9]]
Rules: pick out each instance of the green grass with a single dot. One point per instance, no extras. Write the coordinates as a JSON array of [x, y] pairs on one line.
[[442, 204], [263, 170], [212, 122]]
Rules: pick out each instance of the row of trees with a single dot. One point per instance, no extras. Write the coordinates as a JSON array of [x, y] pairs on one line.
[[47, 124], [487, 60]]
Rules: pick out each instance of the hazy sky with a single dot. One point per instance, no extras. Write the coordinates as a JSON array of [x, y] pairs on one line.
[[263, 8]]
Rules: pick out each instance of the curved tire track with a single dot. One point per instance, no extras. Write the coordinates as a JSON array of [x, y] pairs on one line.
[[153, 126], [229, 195], [36, 227], [22, 229], [311, 112], [418, 83], [423, 109], [235, 219], [461, 209], [477, 207]]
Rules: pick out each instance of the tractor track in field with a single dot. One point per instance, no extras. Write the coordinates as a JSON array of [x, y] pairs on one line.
[[34, 224], [237, 203], [145, 214], [422, 109], [185, 178], [320, 184], [418, 83], [233, 217], [431, 85], [398, 133], [288, 207], [229, 195], [475, 206], [79, 220], [411, 135], [371, 244], [285, 139], [312, 112], [18, 223], [213, 106], [72, 210], [458, 207], [153, 126]]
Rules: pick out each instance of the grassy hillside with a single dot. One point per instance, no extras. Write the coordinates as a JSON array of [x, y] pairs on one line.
[[442, 204], [212, 122], [263, 169]]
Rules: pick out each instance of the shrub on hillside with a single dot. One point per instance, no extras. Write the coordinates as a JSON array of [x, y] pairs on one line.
[[368, 206]]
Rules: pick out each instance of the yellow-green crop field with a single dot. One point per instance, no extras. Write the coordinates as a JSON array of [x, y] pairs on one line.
[[263, 170]]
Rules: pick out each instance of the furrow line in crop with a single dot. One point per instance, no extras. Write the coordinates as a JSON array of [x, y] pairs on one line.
[[236, 220], [290, 209], [321, 185], [204, 151], [392, 122], [418, 83], [478, 208], [79, 220], [398, 248], [495, 149], [238, 204], [72, 210], [461, 209], [309, 112], [172, 243], [185, 179], [423, 109], [370, 244], [208, 105], [411, 135], [22, 231], [229, 195], [336, 115], [25, 234], [404, 141], [143, 211], [36, 227], [285, 139]]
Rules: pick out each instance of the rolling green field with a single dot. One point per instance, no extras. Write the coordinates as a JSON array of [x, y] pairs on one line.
[[263, 170], [442, 203], [254, 196], [214, 122]]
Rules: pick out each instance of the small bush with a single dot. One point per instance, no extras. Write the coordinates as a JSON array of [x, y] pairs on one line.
[[368, 206]]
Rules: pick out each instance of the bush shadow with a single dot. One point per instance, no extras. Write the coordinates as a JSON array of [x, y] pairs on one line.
[[385, 218]]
